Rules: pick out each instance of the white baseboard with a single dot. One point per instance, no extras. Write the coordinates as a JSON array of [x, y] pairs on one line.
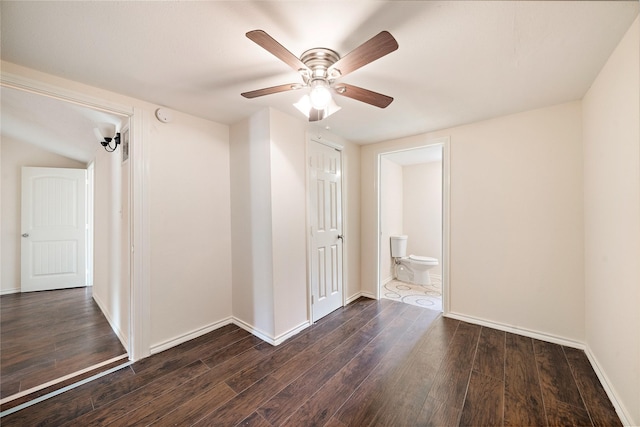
[[625, 418], [518, 331], [122, 337], [165, 345], [9, 291], [267, 337], [354, 297], [624, 415], [291, 332]]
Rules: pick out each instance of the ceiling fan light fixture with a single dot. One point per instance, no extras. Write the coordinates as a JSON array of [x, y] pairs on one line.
[[305, 107], [320, 95], [320, 67]]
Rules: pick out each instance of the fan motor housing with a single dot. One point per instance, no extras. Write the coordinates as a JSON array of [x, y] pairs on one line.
[[319, 59]]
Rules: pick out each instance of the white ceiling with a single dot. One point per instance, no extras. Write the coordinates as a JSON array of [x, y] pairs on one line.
[[458, 62], [56, 126]]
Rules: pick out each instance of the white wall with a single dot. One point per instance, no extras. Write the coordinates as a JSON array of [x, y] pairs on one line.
[[351, 217], [268, 204], [422, 210], [110, 222], [390, 213], [189, 198], [15, 154], [516, 239], [612, 222], [252, 256], [288, 202]]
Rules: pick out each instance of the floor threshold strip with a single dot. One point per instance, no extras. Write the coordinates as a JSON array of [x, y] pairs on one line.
[[64, 389]]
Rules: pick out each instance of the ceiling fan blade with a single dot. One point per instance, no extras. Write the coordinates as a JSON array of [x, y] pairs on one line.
[[364, 95], [271, 45], [270, 90], [374, 48], [316, 115]]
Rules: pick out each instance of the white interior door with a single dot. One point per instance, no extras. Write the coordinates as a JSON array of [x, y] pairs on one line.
[[54, 228], [325, 207]]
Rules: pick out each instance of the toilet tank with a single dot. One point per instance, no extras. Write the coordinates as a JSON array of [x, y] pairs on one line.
[[398, 246]]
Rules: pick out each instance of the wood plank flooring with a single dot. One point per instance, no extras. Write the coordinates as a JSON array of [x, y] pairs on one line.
[[379, 363], [48, 335]]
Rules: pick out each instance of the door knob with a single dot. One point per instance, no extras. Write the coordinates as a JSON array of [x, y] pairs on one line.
[[341, 237], [25, 235]]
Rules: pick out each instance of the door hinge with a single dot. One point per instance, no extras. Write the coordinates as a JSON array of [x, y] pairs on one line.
[[311, 299]]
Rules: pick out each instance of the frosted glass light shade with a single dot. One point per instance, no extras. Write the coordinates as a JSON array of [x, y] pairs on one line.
[[320, 96], [305, 107]]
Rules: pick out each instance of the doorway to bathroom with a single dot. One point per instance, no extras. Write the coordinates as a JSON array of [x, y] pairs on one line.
[[413, 195]]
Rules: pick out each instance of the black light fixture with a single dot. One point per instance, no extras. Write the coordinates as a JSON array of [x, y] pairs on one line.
[[107, 142], [103, 132]]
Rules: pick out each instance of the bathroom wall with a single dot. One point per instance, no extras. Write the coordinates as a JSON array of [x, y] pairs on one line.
[[14, 155], [611, 133], [391, 206], [422, 210]]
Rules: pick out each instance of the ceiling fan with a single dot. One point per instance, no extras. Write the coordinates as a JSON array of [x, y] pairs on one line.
[[320, 68]]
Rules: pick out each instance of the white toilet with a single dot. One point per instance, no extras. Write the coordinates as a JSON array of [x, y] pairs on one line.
[[413, 268]]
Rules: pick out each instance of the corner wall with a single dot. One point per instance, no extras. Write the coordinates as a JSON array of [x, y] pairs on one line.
[[252, 258], [611, 129], [268, 205], [289, 237]]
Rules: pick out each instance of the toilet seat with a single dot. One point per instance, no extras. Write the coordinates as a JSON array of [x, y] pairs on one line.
[[423, 259]]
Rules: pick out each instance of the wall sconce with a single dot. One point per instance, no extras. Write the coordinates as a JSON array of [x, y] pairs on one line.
[[106, 141]]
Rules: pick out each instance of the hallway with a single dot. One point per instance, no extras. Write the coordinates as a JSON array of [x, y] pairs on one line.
[[48, 335]]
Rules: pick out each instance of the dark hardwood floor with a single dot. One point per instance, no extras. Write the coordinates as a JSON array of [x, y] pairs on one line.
[[51, 334], [371, 363]]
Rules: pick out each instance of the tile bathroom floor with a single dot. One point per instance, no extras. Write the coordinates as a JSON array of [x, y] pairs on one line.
[[428, 296]]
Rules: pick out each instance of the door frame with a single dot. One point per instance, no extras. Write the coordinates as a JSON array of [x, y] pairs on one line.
[[340, 148], [140, 290], [446, 197]]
